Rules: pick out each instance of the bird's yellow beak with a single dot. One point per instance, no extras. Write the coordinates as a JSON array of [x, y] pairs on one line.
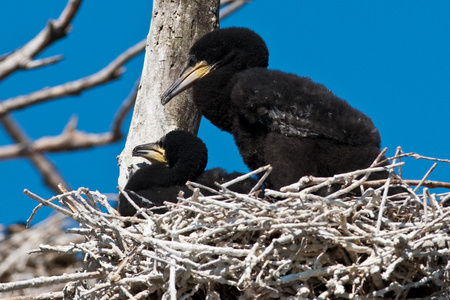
[[152, 152], [189, 76]]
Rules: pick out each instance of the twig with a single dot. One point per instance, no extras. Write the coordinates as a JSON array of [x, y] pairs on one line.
[[40, 281], [49, 203], [71, 138], [43, 296], [51, 33], [383, 202], [311, 273], [42, 62], [48, 171], [418, 156], [172, 284], [427, 183], [248, 175], [112, 71], [320, 182], [230, 7]]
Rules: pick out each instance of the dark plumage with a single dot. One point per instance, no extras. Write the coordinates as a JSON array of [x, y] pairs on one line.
[[176, 158], [298, 126]]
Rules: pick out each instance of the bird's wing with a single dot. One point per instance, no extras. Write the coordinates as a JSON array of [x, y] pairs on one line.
[[298, 107]]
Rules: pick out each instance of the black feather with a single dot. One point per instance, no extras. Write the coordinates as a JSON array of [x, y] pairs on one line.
[[186, 155], [296, 125]]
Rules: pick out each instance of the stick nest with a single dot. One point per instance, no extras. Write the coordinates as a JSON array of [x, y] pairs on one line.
[[288, 244]]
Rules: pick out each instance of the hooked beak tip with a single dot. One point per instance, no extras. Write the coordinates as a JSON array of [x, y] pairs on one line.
[[165, 98], [137, 151]]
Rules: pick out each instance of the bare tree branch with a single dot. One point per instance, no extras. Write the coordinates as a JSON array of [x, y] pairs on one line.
[[43, 296], [33, 64], [40, 281], [52, 32], [22, 59], [112, 71], [418, 156], [48, 171], [427, 183], [71, 138], [307, 181], [124, 109], [228, 7]]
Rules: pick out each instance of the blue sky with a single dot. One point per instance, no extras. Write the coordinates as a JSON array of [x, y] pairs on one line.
[[388, 59]]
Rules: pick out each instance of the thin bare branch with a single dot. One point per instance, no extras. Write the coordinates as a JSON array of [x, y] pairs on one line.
[[307, 181], [48, 171], [112, 71], [52, 32], [228, 7], [40, 281], [123, 110], [311, 180], [43, 62], [71, 138], [418, 156], [43, 296]]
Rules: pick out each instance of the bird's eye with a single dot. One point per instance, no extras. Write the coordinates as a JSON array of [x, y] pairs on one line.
[[192, 60]]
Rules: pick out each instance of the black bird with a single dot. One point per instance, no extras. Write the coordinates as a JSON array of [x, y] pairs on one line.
[[176, 158], [298, 126]]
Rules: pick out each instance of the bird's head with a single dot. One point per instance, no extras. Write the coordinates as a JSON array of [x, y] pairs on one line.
[[177, 148], [153, 152], [235, 47]]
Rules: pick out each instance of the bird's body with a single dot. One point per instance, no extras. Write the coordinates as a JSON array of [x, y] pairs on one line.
[[177, 158], [296, 125]]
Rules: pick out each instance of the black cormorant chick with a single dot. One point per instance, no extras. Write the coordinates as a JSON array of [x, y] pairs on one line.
[[176, 158], [296, 125]]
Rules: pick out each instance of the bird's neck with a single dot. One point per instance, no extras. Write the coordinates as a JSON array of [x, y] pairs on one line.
[[156, 175], [212, 97]]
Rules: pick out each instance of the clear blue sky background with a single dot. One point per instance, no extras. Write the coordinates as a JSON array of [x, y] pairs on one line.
[[389, 59]]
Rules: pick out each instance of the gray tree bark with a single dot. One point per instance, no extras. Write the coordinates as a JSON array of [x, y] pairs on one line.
[[175, 25]]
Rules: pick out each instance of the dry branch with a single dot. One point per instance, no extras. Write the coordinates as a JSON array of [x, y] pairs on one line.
[[227, 7], [231, 245], [43, 62], [45, 167], [45, 281], [55, 29], [16, 265], [112, 71], [71, 138]]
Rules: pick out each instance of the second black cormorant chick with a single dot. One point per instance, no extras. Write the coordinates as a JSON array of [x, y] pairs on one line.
[[296, 125], [176, 158]]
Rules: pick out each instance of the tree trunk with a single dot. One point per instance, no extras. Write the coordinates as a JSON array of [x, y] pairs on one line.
[[175, 25]]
